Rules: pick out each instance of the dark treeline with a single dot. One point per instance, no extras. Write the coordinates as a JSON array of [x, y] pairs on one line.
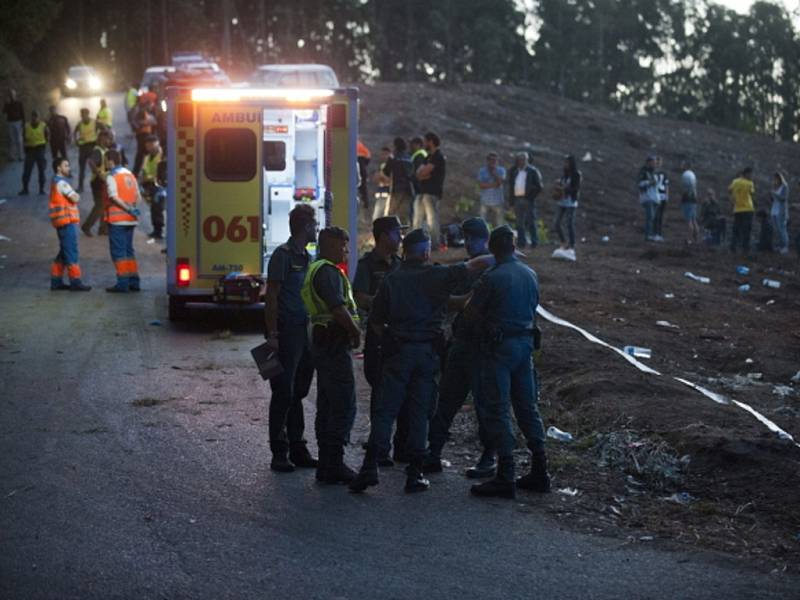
[[689, 59]]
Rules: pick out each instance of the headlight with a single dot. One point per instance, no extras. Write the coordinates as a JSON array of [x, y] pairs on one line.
[[94, 82], [70, 83]]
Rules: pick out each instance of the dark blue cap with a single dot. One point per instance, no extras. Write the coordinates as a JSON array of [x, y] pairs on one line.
[[475, 227]]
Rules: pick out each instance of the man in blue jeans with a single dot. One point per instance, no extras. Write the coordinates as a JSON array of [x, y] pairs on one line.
[[286, 323], [648, 196], [524, 185], [503, 306]]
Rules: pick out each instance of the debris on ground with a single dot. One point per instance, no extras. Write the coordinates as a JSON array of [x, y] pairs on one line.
[[698, 278], [567, 491], [221, 334], [4, 238], [556, 434], [667, 324], [654, 461], [683, 498], [155, 323]]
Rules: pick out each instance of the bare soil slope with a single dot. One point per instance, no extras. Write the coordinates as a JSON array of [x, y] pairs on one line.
[[640, 438]]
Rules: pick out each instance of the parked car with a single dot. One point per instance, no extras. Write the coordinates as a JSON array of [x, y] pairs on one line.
[[294, 76], [82, 80]]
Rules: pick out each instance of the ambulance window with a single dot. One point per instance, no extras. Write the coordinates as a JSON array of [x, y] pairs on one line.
[[274, 156], [230, 154]]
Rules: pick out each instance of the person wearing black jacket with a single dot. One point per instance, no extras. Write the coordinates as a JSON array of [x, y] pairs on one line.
[[399, 168], [60, 133], [524, 184]]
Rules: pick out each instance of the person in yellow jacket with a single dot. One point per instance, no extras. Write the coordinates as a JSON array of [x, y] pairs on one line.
[[104, 116], [741, 193], [85, 135], [122, 216], [35, 136], [65, 216], [328, 298], [150, 187]]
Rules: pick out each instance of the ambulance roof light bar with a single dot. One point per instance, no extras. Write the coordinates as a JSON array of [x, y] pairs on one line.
[[237, 94]]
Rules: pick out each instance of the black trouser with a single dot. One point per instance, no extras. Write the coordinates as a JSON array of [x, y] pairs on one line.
[[372, 373], [58, 148], [98, 208], [156, 202], [742, 229], [84, 152], [658, 220], [286, 421], [141, 139], [336, 393], [460, 376], [33, 155]]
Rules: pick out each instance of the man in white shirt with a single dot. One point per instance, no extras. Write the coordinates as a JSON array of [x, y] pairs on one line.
[[689, 201], [525, 183]]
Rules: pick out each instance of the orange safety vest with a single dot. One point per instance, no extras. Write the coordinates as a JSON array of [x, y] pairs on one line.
[[127, 192], [362, 151], [62, 210]]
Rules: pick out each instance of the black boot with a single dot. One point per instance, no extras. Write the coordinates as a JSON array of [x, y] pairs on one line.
[[502, 486], [433, 461], [300, 456], [280, 460], [322, 463], [368, 475], [485, 467], [415, 481], [538, 480], [335, 470]]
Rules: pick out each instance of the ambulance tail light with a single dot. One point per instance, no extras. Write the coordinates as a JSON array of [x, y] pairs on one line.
[[183, 272]]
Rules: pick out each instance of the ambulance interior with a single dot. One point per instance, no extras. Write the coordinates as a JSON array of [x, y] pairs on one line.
[[294, 170]]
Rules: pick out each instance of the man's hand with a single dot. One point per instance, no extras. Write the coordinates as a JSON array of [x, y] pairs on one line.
[[272, 342]]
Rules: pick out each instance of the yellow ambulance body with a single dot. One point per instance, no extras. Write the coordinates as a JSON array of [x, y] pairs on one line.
[[238, 161]]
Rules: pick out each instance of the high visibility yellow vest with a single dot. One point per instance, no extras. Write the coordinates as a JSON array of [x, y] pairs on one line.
[[421, 152], [87, 133], [34, 135], [150, 167], [103, 170], [104, 116], [131, 98], [318, 311]]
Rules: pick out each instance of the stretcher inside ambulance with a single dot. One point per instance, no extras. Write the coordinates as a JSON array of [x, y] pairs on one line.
[[240, 161]]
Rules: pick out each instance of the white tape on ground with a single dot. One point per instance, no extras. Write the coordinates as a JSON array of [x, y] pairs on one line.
[[718, 398]]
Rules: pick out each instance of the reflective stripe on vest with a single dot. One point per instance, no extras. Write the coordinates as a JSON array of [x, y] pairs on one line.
[[421, 152], [103, 166], [318, 311], [34, 136], [87, 133], [62, 210], [127, 192], [104, 116], [150, 167]]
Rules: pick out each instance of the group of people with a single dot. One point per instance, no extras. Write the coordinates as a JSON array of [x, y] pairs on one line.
[[116, 194], [404, 303], [410, 182], [653, 184]]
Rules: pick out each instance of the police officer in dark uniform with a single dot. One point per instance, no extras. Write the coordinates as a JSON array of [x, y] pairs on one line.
[[286, 331], [371, 270], [328, 297], [459, 377], [504, 304], [407, 313]]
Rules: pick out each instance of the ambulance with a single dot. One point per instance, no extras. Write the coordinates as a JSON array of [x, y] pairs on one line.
[[239, 160]]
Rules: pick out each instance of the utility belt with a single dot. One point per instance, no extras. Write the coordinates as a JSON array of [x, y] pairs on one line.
[[328, 336], [494, 336], [391, 344]]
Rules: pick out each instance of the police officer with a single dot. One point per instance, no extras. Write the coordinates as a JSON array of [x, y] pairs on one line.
[[286, 321], [459, 377], [328, 298], [407, 313], [371, 270], [504, 304]]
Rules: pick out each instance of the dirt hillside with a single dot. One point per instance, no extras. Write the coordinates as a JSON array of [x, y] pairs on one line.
[[641, 438]]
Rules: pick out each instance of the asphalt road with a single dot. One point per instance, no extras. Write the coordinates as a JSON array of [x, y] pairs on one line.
[[134, 464]]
